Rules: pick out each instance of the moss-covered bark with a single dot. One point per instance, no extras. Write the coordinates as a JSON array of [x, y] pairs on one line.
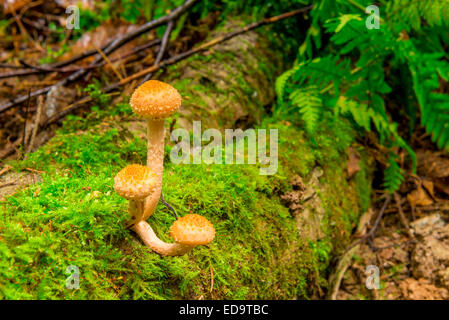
[[262, 251]]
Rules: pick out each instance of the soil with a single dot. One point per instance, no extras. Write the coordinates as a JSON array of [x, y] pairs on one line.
[[411, 269]]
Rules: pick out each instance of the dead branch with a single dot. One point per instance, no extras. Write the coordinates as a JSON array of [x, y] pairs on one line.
[[5, 169], [162, 49], [374, 228], [404, 220]]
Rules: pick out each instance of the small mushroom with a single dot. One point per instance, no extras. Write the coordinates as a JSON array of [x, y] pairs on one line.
[[155, 100], [135, 182], [188, 231]]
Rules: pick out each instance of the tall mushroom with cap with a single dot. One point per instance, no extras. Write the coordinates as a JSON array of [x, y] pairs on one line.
[[188, 232], [155, 100], [135, 182]]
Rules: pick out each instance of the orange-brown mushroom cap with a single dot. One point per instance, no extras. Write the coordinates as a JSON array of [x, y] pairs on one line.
[[192, 229], [155, 99], [135, 182]]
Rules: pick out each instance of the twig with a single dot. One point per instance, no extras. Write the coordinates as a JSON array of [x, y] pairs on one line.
[[24, 139], [404, 221], [5, 169], [106, 59], [393, 245], [168, 206], [10, 66], [211, 278], [7, 151], [35, 170], [40, 106], [24, 31], [162, 48], [376, 224]]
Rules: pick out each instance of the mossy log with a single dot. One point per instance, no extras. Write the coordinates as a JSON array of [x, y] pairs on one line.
[[276, 236]]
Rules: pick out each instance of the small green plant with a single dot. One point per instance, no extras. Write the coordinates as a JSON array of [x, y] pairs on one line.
[[53, 55]]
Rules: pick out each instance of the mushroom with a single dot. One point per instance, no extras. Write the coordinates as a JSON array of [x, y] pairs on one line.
[[188, 231], [135, 182], [155, 100]]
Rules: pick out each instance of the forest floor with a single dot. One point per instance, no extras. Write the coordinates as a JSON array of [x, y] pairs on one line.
[[410, 247]]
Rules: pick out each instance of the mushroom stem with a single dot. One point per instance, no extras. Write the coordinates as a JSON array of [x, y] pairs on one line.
[[155, 161], [135, 209], [146, 233]]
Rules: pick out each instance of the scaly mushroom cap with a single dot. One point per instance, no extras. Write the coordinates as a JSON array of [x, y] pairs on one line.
[[192, 229], [135, 182], [155, 99]]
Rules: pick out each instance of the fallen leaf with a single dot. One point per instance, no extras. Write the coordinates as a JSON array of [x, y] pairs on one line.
[[419, 197]]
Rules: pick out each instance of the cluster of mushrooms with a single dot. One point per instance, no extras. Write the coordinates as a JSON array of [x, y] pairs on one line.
[[142, 185]]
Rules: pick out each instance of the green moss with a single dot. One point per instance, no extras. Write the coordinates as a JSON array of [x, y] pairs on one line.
[[74, 217]]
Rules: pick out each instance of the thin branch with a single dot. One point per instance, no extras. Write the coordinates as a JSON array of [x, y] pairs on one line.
[[24, 139], [404, 220], [374, 228], [168, 206], [162, 49], [40, 106]]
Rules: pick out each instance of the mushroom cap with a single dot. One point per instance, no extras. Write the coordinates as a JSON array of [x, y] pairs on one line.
[[155, 99], [192, 229], [135, 182]]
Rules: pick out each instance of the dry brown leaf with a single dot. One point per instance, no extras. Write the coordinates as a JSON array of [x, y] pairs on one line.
[[419, 197], [11, 6]]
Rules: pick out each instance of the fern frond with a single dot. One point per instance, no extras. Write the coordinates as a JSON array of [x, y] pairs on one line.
[[309, 104], [428, 71], [393, 175], [414, 15], [281, 81]]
